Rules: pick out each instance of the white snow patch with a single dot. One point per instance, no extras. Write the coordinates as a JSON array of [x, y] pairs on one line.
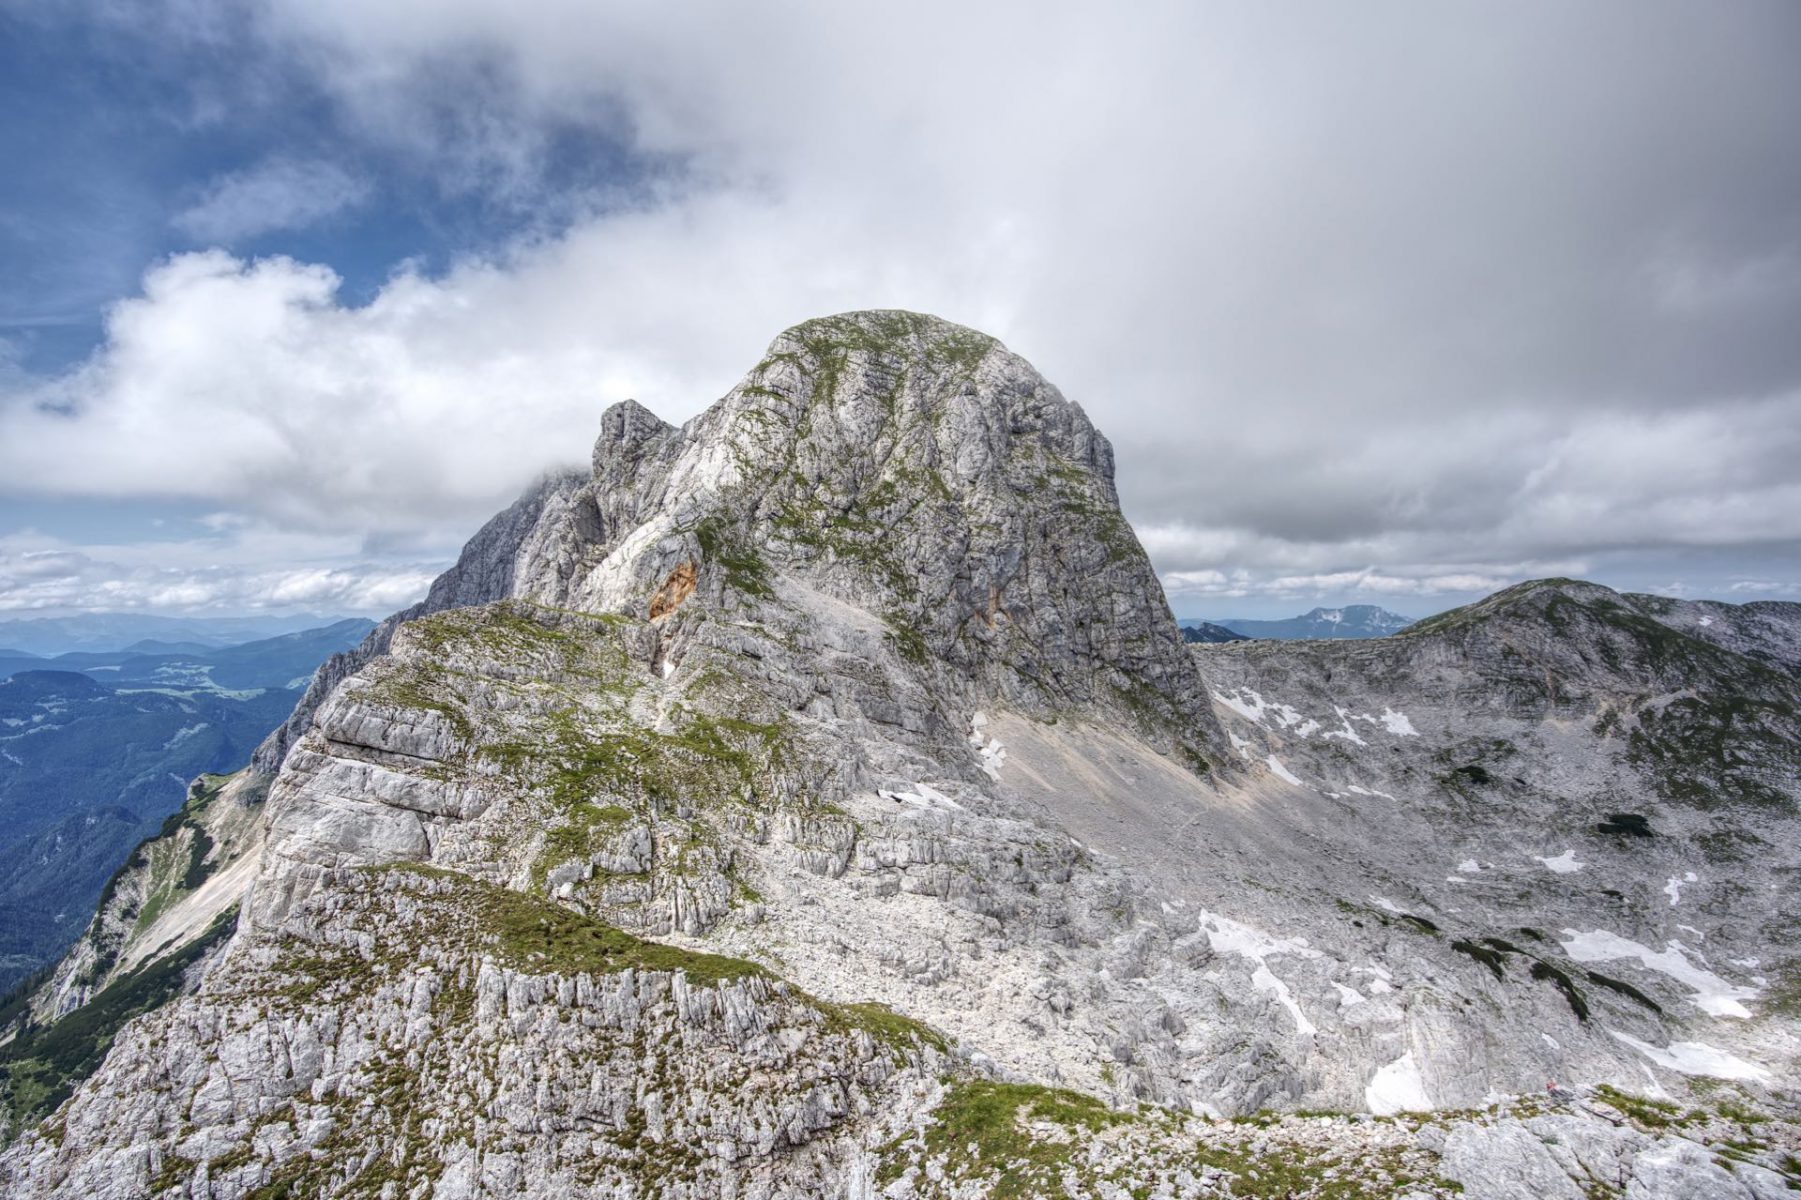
[[1347, 996], [668, 668], [1682, 947], [1363, 791], [924, 796], [1225, 934], [1673, 889], [1693, 930], [1746, 962], [1380, 987], [1282, 772], [1308, 726], [1713, 995], [1551, 1041], [1387, 905], [1239, 744], [1252, 706], [1563, 864], [1706, 621], [994, 755], [1469, 866], [10, 757], [1398, 724], [1347, 733], [1397, 1088], [1696, 1058]]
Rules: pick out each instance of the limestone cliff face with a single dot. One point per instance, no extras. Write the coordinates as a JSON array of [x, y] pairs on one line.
[[797, 803], [919, 472]]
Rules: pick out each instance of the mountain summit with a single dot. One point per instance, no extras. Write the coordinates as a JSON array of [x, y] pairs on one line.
[[819, 799]]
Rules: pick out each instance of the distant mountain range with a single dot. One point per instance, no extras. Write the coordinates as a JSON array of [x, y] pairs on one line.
[[278, 662], [96, 749], [108, 632], [1351, 621]]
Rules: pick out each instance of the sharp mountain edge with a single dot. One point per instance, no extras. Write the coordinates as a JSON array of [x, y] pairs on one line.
[[819, 799], [1207, 631]]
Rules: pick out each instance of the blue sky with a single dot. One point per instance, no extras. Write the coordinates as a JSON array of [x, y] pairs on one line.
[[1375, 306]]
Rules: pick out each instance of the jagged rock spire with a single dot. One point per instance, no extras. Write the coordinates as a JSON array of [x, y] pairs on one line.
[[625, 429]]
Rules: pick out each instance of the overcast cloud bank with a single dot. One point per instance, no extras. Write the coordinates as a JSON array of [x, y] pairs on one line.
[[1373, 301]]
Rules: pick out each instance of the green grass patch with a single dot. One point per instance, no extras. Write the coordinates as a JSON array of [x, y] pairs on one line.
[[704, 758], [538, 936], [887, 1026], [981, 1132], [1645, 1112]]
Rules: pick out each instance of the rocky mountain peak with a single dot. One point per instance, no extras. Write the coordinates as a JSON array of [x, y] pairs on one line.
[[626, 428], [913, 469]]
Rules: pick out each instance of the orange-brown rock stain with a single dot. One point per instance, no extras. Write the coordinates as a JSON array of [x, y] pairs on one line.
[[677, 588]]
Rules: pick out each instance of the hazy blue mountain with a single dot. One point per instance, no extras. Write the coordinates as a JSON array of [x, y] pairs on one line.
[[276, 662], [1351, 621], [1206, 631], [92, 760], [46, 636], [153, 646]]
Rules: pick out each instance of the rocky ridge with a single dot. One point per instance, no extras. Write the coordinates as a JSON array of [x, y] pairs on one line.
[[860, 680]]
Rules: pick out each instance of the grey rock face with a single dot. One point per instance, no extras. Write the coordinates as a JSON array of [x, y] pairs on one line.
[[513, 543], [860, 680]]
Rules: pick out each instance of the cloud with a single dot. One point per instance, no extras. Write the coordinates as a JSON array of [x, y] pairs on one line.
[[1433, 582], [274, 195], [256, 573], [1384, 299]]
